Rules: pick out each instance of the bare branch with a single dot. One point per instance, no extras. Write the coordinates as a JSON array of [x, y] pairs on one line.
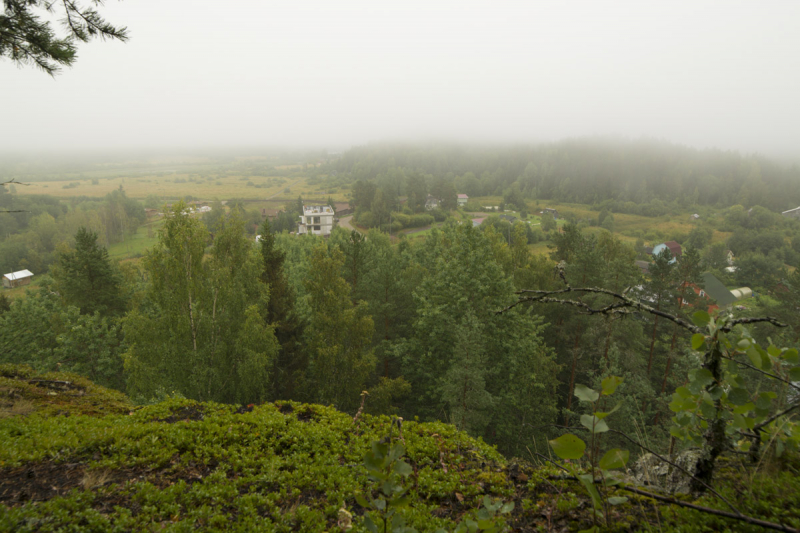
[[621, 306], [776, 416], [768, 374]]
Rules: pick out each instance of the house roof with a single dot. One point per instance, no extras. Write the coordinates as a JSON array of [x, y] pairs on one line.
[[717, 291], [20, 274], [317, 210], [478, 221], [674, 248], [644, 266], [791, 210], [463, 196]]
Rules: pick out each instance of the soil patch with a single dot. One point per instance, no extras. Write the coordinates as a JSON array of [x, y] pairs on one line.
[[191, 412], [39, 481]]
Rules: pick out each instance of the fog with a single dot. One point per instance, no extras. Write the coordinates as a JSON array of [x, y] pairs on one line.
[[333, 74]]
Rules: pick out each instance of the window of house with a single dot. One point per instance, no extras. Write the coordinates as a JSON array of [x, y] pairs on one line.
[[702, 293], [316, 228], [316, 220]]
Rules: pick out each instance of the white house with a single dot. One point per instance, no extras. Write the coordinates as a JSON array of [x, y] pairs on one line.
[[316, 219], [431, 202], [17, 279], [462, 200]]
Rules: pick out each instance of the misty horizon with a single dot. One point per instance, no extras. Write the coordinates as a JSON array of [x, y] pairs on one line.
[[715, 76]]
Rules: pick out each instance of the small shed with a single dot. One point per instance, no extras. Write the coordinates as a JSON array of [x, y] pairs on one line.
[[644, 266], [717, 291], [17, 279], [462, 200]]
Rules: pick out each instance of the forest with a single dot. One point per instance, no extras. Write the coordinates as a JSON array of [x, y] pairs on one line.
[[509, 330]]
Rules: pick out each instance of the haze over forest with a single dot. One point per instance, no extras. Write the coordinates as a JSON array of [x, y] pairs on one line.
[[332, 75]]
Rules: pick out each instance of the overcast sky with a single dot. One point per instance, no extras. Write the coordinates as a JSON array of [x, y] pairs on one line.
[[336, 73]]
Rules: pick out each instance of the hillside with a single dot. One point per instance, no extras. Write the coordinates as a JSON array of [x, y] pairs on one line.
[[77, 457]]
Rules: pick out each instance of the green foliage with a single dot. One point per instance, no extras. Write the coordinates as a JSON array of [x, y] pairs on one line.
[[569, 446], [282, 316], [86, 278], [201, 330], [725, 391], [489, 372], [388, 471], [339, 338], [27, 39]]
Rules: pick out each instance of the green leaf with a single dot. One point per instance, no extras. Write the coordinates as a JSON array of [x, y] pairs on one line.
[[743, 344], [380, 503], [766, 362], [774, 351], [402, 468], [701, 318], [614, 458], [754, 356], [742, 409], [791, 356], [738, 396], [370, 524], [399, 503], [601, 416], [396, 451], [683, 392], [794, 374], [588, 483], [594, 424], [507, 508], [616, 500], [699, 379], [698, 340], [610, 384], [362, 501], [585, 394], [568, 446]]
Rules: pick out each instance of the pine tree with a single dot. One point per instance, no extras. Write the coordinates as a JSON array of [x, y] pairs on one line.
[[86, 278], [27, 39], [291, 360]]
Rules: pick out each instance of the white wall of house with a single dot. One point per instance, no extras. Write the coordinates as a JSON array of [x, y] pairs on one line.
[[316, 220]]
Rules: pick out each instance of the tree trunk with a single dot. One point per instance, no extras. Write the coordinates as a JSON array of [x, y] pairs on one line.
[[715, 437], [572, 375]]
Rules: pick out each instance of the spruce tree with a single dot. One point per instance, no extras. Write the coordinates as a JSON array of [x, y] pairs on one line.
[[291, 360], [86, 278]]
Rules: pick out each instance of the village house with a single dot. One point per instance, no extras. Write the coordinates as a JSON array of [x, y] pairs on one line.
[[551, 211], [431, 202], [17, 279], [316, 220], [477, 221], [674, 249], [716, 295], [462, 200]]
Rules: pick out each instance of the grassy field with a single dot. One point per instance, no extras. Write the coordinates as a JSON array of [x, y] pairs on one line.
[[135, 245]]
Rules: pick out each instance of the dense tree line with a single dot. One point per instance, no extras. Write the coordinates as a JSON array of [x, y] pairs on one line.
[[639, 177], [32, 227]]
